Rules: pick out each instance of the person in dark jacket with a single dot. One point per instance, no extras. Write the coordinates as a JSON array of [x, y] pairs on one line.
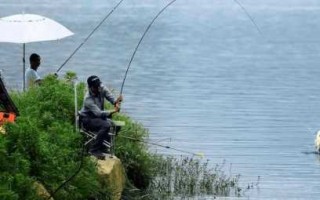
[[93, 116]]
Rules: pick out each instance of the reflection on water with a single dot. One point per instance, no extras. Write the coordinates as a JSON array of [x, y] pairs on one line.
[[205, 78]]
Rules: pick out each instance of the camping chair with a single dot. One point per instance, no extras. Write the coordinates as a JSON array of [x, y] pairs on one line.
[[90, 136]]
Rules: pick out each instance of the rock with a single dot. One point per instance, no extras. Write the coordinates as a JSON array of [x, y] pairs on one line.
[[112, 174], [41, 190]]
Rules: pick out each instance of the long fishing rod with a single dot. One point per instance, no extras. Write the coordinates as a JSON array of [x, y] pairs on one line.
[[163, 146], [145, 32], [132, 57], [85, 40], [248, 15]]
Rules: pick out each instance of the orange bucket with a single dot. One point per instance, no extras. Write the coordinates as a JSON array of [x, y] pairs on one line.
[[6, 117]]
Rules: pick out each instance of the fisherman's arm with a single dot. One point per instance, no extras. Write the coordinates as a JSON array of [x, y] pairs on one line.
[[96, 111], [108, 95], [37, 78]]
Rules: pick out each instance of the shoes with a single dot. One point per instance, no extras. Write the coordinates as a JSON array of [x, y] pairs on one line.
[[99, 155]]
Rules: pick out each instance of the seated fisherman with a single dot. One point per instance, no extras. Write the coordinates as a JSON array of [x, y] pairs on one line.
[[93, 116]]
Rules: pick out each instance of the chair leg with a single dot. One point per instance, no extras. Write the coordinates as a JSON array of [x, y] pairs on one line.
[[112, 133]]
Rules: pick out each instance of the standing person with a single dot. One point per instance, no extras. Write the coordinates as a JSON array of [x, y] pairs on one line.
[[93, 116], [32, 76]]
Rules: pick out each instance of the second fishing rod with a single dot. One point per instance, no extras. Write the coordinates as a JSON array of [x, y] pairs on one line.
[[87, 38], [144, 34]]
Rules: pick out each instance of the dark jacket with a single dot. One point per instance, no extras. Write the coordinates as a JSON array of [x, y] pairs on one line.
[[93, 106]]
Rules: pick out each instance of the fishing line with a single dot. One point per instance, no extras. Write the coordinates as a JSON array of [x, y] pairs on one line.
[[163, 146], [132, 57], [85, 40], [83, 146], [145, 32], [248, 15], [73, 175]]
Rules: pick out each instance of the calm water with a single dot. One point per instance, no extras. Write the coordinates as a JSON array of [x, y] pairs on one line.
[[204, 79]]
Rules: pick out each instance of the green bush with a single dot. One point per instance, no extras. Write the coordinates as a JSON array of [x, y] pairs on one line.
[[44, 139], [43, 146]]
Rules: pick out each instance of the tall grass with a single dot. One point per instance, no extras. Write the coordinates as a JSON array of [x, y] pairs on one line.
[[190, 177]]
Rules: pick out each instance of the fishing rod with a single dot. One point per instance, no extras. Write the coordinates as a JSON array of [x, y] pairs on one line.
[[86, 39], [145, 32], [132, 57], [147, 29], [163, 146], [248, 15], [75, 91]]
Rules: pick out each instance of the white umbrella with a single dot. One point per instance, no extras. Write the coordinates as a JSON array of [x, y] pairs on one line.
[[25, 28]]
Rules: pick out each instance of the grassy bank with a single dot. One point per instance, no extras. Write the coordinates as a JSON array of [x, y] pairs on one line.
[[44, 147]]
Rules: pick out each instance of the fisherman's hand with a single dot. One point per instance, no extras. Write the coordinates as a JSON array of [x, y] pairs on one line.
[[117, 107], [38, 81], [119, 99], [54, 75]]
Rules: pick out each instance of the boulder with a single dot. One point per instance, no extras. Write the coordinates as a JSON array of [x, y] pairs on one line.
[[112, 174], [41, 190]]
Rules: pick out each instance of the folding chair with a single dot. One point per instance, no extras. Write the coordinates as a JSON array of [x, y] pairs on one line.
[[91, 136]]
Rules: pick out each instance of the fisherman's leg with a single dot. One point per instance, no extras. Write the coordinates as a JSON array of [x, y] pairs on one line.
[[102, 128]]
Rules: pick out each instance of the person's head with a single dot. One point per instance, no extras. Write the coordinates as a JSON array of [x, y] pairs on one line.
[[94, 83], [35, 61]]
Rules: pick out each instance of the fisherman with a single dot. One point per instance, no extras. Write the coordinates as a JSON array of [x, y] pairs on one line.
[[93, 116], [32, 76]]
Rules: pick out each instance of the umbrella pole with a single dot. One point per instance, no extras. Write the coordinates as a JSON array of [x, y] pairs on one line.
[[24, 66]]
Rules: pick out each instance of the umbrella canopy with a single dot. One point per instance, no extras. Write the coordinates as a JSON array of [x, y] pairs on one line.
[[26, 28]]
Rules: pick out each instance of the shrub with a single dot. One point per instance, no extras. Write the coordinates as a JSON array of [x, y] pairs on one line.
[[43, 146]]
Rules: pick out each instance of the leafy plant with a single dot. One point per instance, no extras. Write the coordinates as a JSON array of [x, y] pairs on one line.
[[43, 146]]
